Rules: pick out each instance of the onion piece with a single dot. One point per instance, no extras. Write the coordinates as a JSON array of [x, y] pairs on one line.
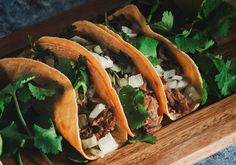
[[129, 32], [90, 142], [98, 49], [122, 82], [115, 68], [172, 84], [192, 93], [106, 62], [177, 77], [97, 110], [107, 144], [132, 35], [83, 121], [136, 81], [169, 73], [96, 152], [182, 84], [80, 40], [159, 70]]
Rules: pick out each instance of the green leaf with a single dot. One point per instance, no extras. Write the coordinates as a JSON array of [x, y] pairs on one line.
[[17, 84], [147, 46], [146, 138], [205, 93], [196, 44], [24, 94], [46, 140], [64, 65], [207, 7], [12, 139], [4, 100], [132, 102], [41, 93], [153, 10], [166, 23]]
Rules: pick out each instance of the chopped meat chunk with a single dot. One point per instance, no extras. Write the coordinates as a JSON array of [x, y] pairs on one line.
[[86, 132], [177, 102], [151, 124], [104, 123]]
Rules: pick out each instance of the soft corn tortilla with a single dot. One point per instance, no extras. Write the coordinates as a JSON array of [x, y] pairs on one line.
[[138, 23], [71, 50]]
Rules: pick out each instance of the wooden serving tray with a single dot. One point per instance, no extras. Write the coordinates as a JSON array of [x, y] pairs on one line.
[[185, 141]]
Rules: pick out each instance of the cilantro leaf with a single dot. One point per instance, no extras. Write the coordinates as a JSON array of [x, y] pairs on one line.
[[41, 93], [193, 45], [12, 139], [207, 7], [64, 65], [17, 84], [148, 46], [146, 138], [132, 101], [166, 23], [205, 93], [46, 140], [4, 100], [24, 94]]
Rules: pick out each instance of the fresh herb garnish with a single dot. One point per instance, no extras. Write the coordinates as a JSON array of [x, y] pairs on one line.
[[14, 138], [146, 138], [132, 101], [166, 23]]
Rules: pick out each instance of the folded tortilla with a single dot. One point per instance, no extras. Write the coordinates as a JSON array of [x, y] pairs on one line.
[[71, 50], [138, 23]]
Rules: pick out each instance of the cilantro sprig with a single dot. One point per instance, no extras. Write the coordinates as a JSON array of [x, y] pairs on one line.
[[13, 139]]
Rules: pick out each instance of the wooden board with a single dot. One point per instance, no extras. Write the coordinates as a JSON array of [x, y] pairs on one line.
[[185, 141]]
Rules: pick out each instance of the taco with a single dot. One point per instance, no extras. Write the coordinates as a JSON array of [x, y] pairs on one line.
[[180, 76], [130, 73], [98, 118]]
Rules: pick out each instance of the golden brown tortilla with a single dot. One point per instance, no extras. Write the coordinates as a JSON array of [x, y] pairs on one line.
[[71, 50], [138, 23]]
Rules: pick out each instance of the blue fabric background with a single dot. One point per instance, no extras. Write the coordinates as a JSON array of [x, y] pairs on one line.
[[16, 14]]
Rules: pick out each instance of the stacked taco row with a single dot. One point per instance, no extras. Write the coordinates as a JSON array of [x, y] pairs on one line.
[[112, 89]]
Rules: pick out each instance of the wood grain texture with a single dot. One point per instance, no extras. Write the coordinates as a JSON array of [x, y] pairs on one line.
[[185, 141]]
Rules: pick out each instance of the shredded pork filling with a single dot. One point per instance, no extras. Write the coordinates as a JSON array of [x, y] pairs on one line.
[[177, 101]]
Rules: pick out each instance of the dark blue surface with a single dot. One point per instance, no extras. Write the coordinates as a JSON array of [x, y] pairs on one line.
[[15, 14]]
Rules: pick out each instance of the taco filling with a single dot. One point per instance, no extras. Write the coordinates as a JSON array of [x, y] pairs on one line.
[[97, 121], [182, 97], [125, 77]]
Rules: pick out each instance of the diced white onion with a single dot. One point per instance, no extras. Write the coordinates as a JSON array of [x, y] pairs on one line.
[[191, 92], [107, 144], [122, 82], [96, 152], [182, 84], [106, 62], [80, 40], [1, 162], [115, 68], [169, 73], [126, 30], [177, 77], [159, 70], [97, 110], [98, 49], [90, 142], [136, 81], [132, 35], [172, 84], [83, 121]]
